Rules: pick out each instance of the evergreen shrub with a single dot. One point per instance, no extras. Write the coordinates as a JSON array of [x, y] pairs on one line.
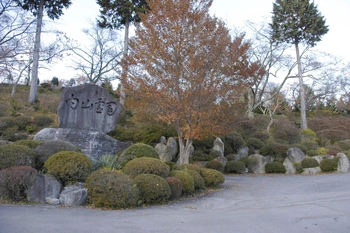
[[29, 143], [216, 165], [254, 143], [329, 165], [344, 144], [22, 122], [275, 167], [6, 122], [190, 166], [15, 182], [212, 177], [111, 189], [186, 179], [175, 186], [233, 142], [199, 183], [146, 166], [200, 155], [137, 150], [16, 155], [235, 167], [309, 163], [69, 166], [43, 121], [153, 189]]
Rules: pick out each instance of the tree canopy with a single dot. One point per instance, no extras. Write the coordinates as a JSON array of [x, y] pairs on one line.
[[53, 8]]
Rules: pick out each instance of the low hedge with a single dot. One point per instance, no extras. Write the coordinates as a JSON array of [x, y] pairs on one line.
[[329, 165], [216, 165], [16, 155], [275, 167], [153, 189], [199, 183], [309, 163], [212, 177], [146, 166], [235, 167], [186, 179]]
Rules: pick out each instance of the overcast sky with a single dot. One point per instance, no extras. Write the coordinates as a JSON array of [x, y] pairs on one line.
[[234, 12]]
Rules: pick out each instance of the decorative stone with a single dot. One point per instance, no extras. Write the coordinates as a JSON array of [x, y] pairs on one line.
[[52, 201], [295, 155], [259, 166], [243, 152], [219, 146], [93, 144], [222, 159], [290, 169], [343, 163], [312, 171], [318, 158], [172, 147], [73, 195], [44, 186], [88, 107], [162, 150]]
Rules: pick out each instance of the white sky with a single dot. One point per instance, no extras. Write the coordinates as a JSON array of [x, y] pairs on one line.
[[234, 12]]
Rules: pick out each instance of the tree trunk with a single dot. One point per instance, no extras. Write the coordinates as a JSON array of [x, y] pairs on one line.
[[185, 150], [301, 91], [34, 84], [124, 66], [250, 107]]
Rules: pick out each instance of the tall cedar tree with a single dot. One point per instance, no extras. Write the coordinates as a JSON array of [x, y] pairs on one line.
[[118, 13], [295, 22], [186, 69], [53, 9]]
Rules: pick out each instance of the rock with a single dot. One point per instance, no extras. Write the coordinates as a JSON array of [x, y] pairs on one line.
[[258, 167], [163, 153], [318, 158], [73, 195], [343, 163], [172, 147], [312, 171], [88, 107], [93, 144], [222, 160], [290, 169], [219, 146], [162, 140], [295, 155], [44, 186], [243, 152], [52, 201]]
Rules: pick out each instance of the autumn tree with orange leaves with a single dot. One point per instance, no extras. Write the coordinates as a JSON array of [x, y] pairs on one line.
[[186, 69]]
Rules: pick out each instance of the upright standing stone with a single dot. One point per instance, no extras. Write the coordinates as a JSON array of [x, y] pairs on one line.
[[219, 146], [343, 163], [295, 155], [172, 147], [88, 107]]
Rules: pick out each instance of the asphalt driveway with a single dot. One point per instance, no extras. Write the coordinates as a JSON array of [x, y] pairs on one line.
[[248, 203]]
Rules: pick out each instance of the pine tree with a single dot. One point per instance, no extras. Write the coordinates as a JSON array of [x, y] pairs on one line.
[[295, 22]]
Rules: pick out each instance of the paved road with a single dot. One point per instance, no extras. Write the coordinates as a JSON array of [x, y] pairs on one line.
[[248, 204]]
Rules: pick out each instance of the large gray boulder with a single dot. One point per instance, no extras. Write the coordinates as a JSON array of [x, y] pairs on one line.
[[94, 144], [73, 195], [219, 146], [243, 152], [295, 155], [172, 146], [44, 186], [258, 166], [318, 158], [88, 107], [312, 171], [290, 169], [343, 163]]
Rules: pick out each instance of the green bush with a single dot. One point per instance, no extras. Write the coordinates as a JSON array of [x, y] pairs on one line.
[[111, 189], [312, 153], [274, 149], [301, 147], [190, 166], [6, 122], [275, 167], [69, 166], [344, 144], [212, 177], [255, 143], [233, 142], [29, 143], [199, 183], [200, 155], [15, 182], [175, 186], [216, 165], [249, 162], [137, 150], [205, 145], [22, 122], [107, 161], [153, 189], [285, 131], [146, 166], [186, 179], [309, 163], [48, 148], [16, 155], [329, 165], [43, 121], [235, 167]]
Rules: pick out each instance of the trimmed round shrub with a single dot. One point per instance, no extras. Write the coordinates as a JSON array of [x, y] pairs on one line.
[[186, 179], [216, 165], [111, 189], [175, 186], [309, 163], [274, 149], [22, 122], [199, 183], [255, 143], [200, 155], [275, 167], [344, 144], [190, 166], [233, 142], [43, 121], [146, 166], [48, 148], [69, 166], [329, 165], [235, 167], [212, 177], [30, 143], [137, 150], [153, 189], [16, 155], [312, 153], [15, 182], [6, 122]]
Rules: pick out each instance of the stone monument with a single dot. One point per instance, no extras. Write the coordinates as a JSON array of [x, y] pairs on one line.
[[85, 114]]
